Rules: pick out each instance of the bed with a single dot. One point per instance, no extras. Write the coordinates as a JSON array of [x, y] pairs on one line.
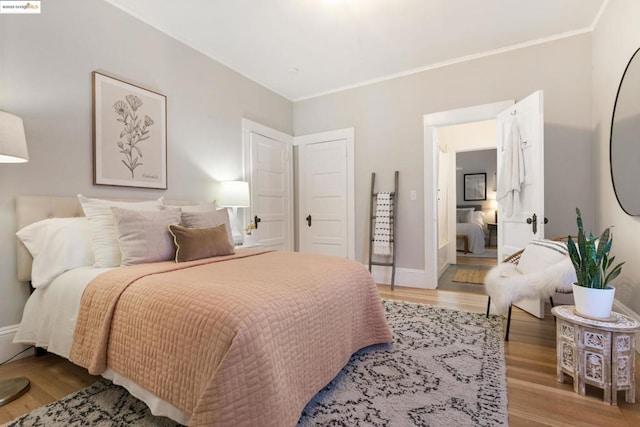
[[241, 339], [470, 233]]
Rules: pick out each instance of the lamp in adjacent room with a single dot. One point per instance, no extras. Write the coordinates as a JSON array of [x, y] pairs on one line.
[[234, 195], [493, 204], [13, 149]]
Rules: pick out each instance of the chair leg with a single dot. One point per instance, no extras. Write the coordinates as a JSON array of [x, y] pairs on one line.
[[551, 301], [506, 337], [488, 306]]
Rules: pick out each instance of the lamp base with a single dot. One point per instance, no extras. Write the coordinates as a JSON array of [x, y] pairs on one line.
[[12, 388]]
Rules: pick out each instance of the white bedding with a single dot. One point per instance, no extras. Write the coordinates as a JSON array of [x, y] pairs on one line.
[[49, 320], [475, 234]]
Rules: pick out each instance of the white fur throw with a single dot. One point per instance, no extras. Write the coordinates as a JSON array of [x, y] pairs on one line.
[[506, 285]]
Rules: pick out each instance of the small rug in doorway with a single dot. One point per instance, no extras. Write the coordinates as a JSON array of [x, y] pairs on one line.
[[445, 367], [467, 275]]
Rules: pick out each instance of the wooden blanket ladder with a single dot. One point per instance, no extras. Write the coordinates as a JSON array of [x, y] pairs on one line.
[[392, 223]]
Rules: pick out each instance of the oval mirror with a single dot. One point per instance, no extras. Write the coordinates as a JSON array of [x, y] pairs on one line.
[[625, 139]]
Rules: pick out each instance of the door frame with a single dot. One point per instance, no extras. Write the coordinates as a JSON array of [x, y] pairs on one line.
[[347, 134], [248, 127], [431, 122]]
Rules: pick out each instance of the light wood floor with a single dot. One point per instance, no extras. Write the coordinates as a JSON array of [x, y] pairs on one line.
[[479, 261], [535, 397]]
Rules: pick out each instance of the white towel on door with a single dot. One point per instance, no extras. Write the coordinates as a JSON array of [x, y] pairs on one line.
[[382, 231], [512, 172]]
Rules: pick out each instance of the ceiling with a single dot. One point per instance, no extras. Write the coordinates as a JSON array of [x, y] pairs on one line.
[[304, 48]]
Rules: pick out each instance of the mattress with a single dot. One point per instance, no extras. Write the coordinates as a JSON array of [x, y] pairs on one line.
[[298, 317], [475, 235], [49, 320]]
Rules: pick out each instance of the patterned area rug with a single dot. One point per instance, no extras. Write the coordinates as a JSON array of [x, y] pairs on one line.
[[470, 275], [445, 368]]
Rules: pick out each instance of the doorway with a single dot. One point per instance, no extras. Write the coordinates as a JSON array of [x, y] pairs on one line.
[[521, 154], [467, 204], [440, 255]]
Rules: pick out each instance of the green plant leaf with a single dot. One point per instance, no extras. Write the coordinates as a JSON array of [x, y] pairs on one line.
[[590, 257], [613, 274]]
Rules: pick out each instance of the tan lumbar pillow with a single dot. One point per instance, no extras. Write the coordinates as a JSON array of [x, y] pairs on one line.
[[198, 243]]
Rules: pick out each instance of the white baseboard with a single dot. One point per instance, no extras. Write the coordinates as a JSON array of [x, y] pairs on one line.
[[8, 348], [409, 277]]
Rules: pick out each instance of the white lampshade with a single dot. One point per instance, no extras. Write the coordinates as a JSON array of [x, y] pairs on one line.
[[234, 194], [13, 144]]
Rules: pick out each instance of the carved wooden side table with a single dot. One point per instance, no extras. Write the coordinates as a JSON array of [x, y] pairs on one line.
[[597, 352]]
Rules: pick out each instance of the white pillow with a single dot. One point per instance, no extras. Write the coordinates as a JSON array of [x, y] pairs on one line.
[[540, 254], [207, 219], [103, 231], [477, 217], [56, 245], [144, 236], [463, 215]]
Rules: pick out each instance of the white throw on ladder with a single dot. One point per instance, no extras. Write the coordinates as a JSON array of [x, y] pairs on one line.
[[382, 232]]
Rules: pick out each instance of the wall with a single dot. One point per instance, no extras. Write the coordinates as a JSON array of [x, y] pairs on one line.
[[615, 39], [45, 77], [471, 144], [483, 161], [388, 122]]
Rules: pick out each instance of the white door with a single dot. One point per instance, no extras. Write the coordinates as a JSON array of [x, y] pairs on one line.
[[526, 221], [325, 193], [269, 169]]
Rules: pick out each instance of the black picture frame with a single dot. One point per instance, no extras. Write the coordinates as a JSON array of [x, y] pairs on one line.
[[475, 186]]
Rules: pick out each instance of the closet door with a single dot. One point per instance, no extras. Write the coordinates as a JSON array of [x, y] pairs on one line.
[[268, 169], [325, 185]]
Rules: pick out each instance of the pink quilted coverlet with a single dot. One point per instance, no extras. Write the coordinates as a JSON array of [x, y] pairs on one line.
[[243, 340]]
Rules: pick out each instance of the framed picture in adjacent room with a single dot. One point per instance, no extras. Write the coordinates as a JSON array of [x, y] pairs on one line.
[[129, 134], [475, 186]]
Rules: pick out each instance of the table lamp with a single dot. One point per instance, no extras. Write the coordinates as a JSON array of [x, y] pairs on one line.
[[234, 195], [13, 149]]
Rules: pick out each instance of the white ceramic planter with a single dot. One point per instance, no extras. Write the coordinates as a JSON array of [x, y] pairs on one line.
[[594, 302]]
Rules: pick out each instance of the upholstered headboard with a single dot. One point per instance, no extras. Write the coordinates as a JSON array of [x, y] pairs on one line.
[[30, 209], [475, 207]]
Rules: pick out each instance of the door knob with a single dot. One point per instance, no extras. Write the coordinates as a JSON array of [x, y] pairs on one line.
[[534, 223], [256, 220], [309, 220]]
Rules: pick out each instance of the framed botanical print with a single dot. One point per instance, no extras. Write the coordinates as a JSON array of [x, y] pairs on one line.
[[129, 134], [475, 186]]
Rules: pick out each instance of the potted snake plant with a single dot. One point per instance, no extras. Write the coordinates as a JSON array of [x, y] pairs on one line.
[[592, 292]]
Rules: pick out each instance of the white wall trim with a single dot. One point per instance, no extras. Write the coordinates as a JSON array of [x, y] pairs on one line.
[[408, 277], [454, 61], [431, 122], [347, 134], [7, 347], [266, 131], [594, 24], [475, 113]]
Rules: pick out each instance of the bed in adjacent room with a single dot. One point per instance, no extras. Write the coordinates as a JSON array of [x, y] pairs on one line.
[[470, 230], [242, 338]]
